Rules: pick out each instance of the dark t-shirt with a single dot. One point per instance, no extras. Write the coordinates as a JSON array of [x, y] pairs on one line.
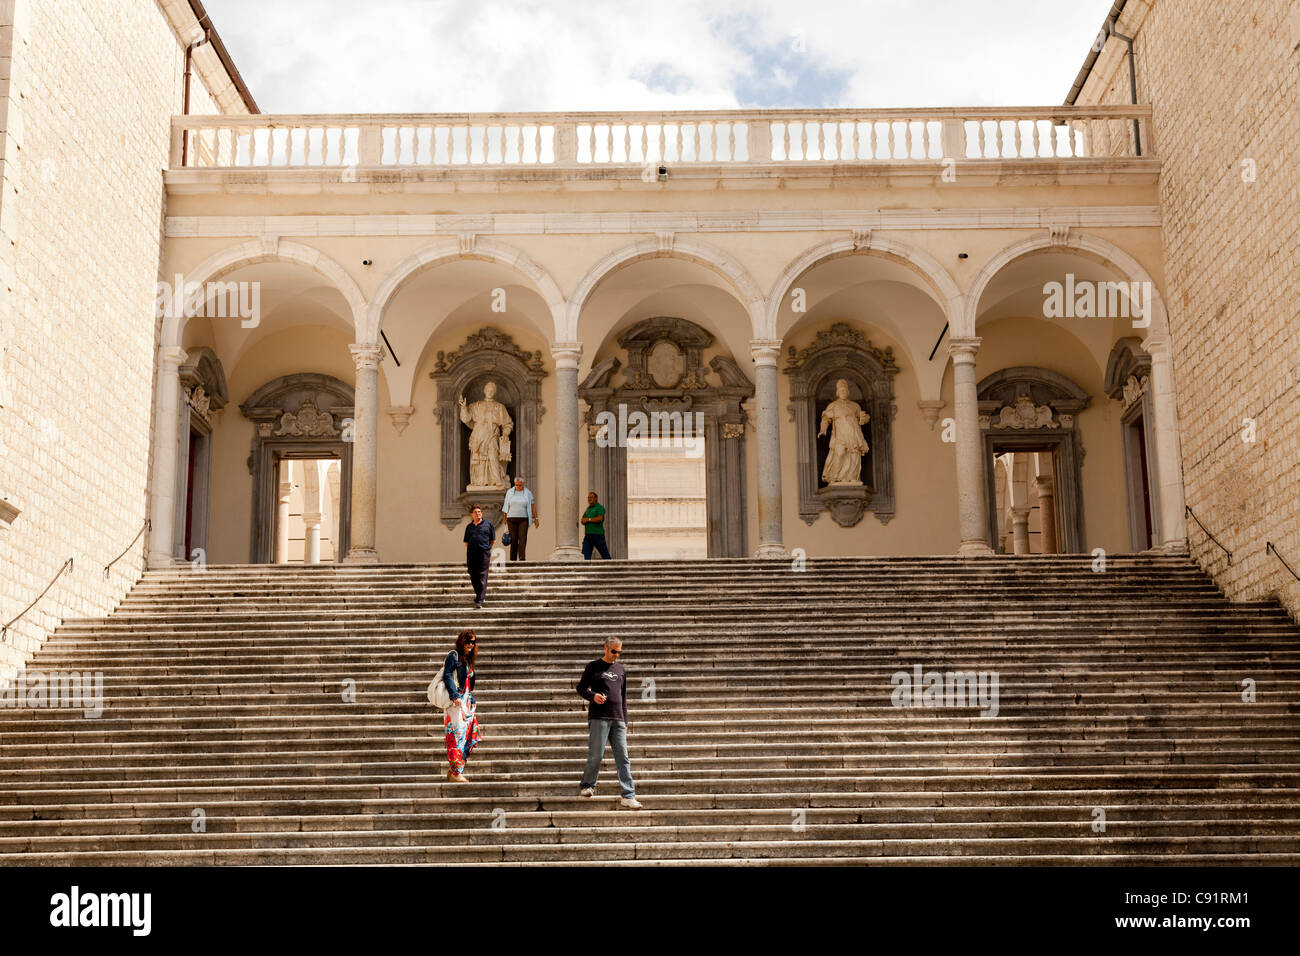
[[607, 679], [480, 535]]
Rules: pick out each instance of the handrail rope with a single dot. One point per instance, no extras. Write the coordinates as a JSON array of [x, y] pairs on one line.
[[143, 529], [1270, 546], [67, 565], [4, 631], [1188, 510]]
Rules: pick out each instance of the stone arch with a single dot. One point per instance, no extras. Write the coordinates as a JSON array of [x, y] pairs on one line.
[[1101, 251], [452, 250], [266, 250], [936, 277], [678, 247]]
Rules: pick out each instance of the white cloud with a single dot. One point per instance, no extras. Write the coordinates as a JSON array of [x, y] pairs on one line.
[[468, 56]]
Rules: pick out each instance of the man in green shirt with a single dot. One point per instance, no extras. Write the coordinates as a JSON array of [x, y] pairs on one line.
[[594, 521]]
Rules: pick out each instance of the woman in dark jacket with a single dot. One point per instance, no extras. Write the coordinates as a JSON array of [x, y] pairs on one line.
[[459, 720]]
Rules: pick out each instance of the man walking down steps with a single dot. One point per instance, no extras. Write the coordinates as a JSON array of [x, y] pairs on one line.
[[604, 685]]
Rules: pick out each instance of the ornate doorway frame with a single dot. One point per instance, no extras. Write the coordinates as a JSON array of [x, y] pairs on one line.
[[657, 383], [203, 394], [1128, 378], [1025, 408], [307, 415]]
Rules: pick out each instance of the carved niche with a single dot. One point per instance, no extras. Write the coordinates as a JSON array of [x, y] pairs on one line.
[[296, 416], [666, 375], [842, 352], [488, 355], [1034, 409]]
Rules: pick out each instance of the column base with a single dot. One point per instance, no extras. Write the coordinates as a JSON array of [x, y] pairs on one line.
[[772, 552], [566, 552], [161, 559], [975, 549], [1173, 547], [362, 556]]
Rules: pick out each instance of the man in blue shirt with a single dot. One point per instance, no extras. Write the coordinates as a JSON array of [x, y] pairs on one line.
[[516, 509], [479, 538]]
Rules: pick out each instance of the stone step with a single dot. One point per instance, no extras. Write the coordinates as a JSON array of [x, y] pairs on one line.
[[1132, 804], [1119, 690], [1205, 851]]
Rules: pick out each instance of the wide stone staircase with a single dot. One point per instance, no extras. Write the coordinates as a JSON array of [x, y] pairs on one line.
[[281, 713]]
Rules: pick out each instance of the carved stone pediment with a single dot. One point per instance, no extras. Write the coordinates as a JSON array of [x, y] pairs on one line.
[[307, 422], [1133, 389], [1024, 414], [488, 338], [842, 335], [204, 384]]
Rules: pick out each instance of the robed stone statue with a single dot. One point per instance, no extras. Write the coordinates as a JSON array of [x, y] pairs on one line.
[[845, 418], [489, 441]]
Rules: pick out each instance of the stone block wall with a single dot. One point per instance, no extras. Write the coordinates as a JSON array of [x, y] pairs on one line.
[[1224, 83], [86, 97]]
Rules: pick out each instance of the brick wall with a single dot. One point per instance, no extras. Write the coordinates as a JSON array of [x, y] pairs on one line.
[[88, 91], [1223, 79]]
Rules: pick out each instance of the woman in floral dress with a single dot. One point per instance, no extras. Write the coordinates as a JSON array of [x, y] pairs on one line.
[[459, 721]]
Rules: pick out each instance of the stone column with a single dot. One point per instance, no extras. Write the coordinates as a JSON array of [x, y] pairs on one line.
[[1046, 510], [332, 474], [311, 544], [1169, 470], [162, 504], [766, 352], [282, 513], [972, 509], [566, 357], [365, 454], [311, 512], [1020, 529]]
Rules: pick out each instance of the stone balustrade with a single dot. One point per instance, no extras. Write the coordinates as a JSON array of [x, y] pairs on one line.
[[346, 142]]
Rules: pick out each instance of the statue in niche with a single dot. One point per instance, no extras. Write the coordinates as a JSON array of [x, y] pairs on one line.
[[845, 418], [489, 441]]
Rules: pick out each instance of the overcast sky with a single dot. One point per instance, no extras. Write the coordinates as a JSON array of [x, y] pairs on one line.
[[380, 56]]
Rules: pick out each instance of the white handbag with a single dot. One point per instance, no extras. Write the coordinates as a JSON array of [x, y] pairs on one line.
[[438, 695]]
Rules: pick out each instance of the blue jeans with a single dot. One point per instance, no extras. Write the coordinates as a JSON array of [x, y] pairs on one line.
[[596, 541], [615, 731]]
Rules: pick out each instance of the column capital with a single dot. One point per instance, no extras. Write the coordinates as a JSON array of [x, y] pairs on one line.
[[367, 356], [963, 348], [1155, 345], [765, 351], [171, 356], [566, 354]]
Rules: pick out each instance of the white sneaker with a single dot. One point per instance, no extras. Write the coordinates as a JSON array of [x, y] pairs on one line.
[[587, 792], [629, 803]]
